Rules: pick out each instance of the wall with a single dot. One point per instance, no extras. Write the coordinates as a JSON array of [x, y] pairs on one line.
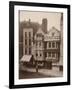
[[4, 44]]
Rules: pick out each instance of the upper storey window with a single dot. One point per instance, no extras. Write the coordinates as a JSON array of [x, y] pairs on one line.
[[49, 44], [53, 44], [29, 34], [25, 34]]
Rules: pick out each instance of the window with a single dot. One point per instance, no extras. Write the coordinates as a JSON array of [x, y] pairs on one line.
[[57, 44], [53, 44], [38, 35], [36, 54], [25, 34], [53, 54], [49, 44], [29, 50], [39, 43], [40, 54], [25, 50], [45, 45], [56, 55], [29, 41], [25, 41], [29, 34], [49, 54], [45, 54]]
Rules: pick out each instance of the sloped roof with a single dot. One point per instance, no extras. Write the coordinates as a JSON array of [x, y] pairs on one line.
[[53, 28], [55, 31], [40, 31]]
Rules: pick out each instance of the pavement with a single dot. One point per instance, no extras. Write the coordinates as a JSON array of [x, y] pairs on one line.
[[53, 72]]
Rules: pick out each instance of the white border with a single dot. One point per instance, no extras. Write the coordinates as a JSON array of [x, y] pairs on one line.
[[16, 49]]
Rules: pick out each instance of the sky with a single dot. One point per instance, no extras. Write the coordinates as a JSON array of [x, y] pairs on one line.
[[53, 18]]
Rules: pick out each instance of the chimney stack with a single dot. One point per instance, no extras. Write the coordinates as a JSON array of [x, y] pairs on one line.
[[44, 25]]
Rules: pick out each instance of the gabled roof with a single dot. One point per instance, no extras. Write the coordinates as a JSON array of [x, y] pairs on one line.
[[53, 29], [40, 31]]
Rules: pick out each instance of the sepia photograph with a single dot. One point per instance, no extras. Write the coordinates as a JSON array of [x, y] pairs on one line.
[[39, 38], [40, 44]]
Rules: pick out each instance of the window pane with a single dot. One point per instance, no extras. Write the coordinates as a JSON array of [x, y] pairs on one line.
[[49, 44], [36, 54], [45, 45], [29, 50], [39, 43], [53, 54], [53, 44], [40, 54], [57, 44], [45, 54], [25, 50], [49, 54], [29, 41], [56, 55], [25, 41], [29, 34]]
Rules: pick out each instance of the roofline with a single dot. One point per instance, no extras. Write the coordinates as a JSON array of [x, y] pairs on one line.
[[51, 29]]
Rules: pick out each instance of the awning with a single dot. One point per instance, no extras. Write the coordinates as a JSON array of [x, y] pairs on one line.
[[26, 58]]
